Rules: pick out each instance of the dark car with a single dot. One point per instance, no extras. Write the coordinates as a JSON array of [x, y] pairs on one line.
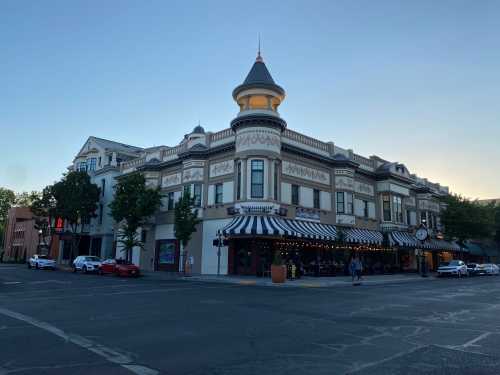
[[473, 269]]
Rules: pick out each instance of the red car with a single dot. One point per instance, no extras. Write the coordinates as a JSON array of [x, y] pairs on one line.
[[119, 267]]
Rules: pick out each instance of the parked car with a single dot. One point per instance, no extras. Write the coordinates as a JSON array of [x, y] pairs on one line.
[[452, 268], [491, 269], [86, 263], [481, 269], [473, 269], [42, 262], [119, 267]]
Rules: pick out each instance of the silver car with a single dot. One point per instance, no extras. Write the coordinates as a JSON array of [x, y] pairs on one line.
[[452, 268], [41, 262], [87, 263]]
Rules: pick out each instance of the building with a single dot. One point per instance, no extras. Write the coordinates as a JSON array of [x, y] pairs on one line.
[[21, 236], [265, 187], [101, 159]]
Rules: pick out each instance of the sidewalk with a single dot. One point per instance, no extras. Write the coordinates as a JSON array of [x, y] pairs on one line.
[[305, 282]]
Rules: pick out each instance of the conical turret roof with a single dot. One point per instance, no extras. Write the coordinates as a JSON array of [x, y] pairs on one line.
[[258, 77]]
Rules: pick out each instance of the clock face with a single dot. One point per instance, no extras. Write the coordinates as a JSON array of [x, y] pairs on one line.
[[421, 234]]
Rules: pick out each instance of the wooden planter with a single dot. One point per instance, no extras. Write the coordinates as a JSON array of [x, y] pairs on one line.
[[278, 274]]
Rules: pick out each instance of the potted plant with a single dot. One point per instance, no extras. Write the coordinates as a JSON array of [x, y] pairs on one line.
[[278, 269]]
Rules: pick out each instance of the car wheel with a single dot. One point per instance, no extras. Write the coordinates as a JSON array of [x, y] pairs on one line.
[[84, 269], [36, 265], [100, 272], [29, 265], [74, 268]]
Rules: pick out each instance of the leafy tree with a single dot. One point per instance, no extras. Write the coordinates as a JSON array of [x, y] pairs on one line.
[[7, 200], [43, 207], [74, 200], [465, 219], [132, 205], [25, 198], [185, 221]]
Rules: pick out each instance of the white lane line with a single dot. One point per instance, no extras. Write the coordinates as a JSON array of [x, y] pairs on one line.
[[12, 282], [478, 338], [109, 354]]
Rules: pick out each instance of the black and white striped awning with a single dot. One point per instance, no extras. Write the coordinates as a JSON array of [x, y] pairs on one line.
[[277, 226], [363, 236], [403, 239]]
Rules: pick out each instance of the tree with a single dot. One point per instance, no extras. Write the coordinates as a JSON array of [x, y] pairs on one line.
[[75, 199], [43, 207], [185, 221], [25, 199], [132, 205], [465, 219], [7, 199]]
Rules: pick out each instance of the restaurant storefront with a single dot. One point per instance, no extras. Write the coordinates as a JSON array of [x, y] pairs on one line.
[[315, 249]]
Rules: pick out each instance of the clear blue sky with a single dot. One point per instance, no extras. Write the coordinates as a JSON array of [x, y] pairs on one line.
[[412, 81]]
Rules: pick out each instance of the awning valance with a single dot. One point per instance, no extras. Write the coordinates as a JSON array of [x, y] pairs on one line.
[[278, 226], [363, 236]]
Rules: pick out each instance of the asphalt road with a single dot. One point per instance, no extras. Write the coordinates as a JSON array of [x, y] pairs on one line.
[[54, 322]]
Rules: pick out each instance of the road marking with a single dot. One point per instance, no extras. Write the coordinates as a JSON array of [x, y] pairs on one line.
[[12, 282], [109, 354], [473, 341], [50, 281]]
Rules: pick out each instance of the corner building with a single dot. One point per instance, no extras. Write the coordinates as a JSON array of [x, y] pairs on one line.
[[266, 187]]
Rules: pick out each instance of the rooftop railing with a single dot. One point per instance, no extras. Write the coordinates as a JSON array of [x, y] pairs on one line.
[[304, 139]]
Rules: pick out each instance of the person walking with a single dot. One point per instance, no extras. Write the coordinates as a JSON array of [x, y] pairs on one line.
[[352, 268], [359, 268]]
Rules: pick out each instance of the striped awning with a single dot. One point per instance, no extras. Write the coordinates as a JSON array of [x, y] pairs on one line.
[[403, 239], [435, 244], [363, 236], [278, 226]]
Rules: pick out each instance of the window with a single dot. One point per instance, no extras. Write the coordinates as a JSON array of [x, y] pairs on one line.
[[101, 211], [103, 187], [365, 209], [295, 195], [275, 182], [423, 217], [82, 167], [386, 207], [349, 204], [257, 179], [187, 190], [197, 195], [316, 202], [93, 162], [398, 209], [238, 181], [100, 161], [170, 204], [144, 236], [85, 220], [110, 159], [218, 194], [408, 217], [340, 203]]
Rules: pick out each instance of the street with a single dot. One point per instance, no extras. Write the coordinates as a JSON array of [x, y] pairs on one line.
[[55, 322]]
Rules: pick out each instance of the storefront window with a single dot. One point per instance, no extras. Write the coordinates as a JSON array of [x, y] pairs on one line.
[[295, 195], [386, 207], [345, 203], [316, 201], [257, 179], [398, 209]]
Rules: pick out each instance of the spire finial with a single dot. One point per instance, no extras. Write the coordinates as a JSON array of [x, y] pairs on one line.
[[259, 57]]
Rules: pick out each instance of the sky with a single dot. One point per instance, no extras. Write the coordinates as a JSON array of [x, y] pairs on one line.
[[416, 82]]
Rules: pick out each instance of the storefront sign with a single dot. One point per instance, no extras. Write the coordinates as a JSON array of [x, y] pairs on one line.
[[305, 173]]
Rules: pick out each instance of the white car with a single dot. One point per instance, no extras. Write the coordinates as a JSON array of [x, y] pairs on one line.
[[87, 263], [41, 261], [452, 268], [491, 269]]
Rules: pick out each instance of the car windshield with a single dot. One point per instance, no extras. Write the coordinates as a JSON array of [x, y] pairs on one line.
[[471, 265], [44, 257], [92, 259], [444, 264], [454, 263]]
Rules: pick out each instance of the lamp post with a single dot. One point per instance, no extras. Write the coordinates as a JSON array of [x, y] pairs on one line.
[[422, 234]]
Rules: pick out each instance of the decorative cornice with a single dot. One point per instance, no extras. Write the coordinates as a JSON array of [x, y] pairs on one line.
[[258, 120]]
